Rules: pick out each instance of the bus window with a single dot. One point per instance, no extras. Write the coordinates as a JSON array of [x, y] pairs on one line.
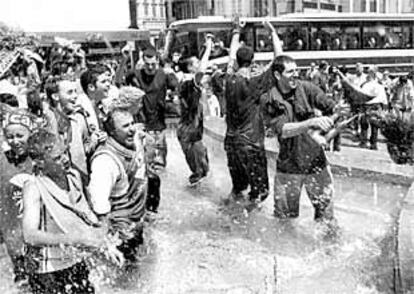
[[334, 37], [222, 39], [185, 43], [294, 38], [263, 40], [386, 36]]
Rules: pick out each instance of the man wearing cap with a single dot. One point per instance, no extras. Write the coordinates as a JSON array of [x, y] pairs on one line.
[[17, 124]]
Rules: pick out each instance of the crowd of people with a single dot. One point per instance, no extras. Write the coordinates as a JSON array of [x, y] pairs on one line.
[[83, 144]]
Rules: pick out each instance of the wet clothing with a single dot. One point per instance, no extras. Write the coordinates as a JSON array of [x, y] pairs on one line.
[[190, 129], [118, 187], [248, 166], [153, 115], [155, 155], [155, 88], [11, 208], [319, 187], [62, 211], [299, 154], [301, 161], [80, 147], [72, 280], [244, 141]]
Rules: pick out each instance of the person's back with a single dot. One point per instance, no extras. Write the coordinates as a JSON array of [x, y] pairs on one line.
[[243, 116]]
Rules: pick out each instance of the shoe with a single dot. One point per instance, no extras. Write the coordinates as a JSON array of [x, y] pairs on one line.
[[373, 147]]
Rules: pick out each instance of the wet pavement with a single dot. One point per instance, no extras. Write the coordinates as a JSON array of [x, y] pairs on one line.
[[198, 245]]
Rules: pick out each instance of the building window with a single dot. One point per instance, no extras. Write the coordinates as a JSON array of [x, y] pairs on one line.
[[154, 9], [145, 8], [162, 11]]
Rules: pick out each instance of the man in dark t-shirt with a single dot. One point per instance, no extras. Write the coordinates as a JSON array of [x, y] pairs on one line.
[[154, 81], [244, 141], [301, 161]]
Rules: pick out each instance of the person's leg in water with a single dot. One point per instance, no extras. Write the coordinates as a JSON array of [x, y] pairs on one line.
[[238, 173], [256, 165], [320, 190], [154, 193], [72, 280], [287, 189]]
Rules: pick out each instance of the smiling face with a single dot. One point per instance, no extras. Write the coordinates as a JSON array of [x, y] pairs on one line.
[[68, 96], [17, 136], [287, 80], [123, 129]]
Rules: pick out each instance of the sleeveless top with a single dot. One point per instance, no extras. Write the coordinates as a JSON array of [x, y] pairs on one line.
[[128, 195]]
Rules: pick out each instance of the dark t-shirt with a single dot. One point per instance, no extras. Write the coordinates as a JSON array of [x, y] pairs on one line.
[[191, 121], [243, 114], [299, 154], [155, 88]]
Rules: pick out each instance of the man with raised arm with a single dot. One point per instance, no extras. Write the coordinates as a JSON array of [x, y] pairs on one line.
[[190, 127], [244, 141]]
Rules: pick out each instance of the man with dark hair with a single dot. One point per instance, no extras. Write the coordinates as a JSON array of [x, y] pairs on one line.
[[95, 82], [301, 161], [154, 81], [118, 182], [244, 141], [190, 127]]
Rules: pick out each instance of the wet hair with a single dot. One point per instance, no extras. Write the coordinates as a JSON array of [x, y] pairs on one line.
[[244, 56], [149, 52], [279, 63], [108, 123], [41, 143], [90, 76]]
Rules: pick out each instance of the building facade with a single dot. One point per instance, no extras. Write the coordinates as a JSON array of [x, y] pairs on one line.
[[380, 6], [151, 16]]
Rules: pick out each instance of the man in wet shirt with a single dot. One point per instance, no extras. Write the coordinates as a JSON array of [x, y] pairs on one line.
[[301, 161]]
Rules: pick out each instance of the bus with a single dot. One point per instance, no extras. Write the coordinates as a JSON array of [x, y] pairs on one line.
[[385, 40], [98, 44]]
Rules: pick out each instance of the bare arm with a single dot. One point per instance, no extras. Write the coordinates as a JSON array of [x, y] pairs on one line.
[[234, 46], [207, 52], [277, 44]]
